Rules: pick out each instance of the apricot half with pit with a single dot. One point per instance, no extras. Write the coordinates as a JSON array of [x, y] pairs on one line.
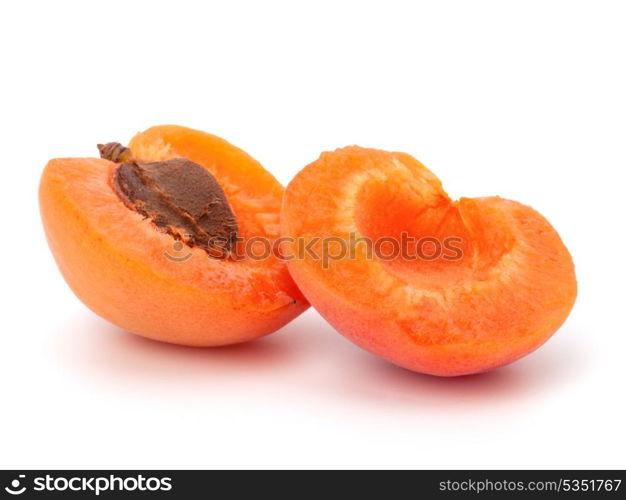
[[154, 238], [436, 286]]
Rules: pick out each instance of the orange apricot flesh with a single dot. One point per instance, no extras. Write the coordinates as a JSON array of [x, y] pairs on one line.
[[135, 275], [507, 287]]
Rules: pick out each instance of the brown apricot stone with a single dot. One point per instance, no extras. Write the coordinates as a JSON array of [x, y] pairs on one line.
[[181, 197]]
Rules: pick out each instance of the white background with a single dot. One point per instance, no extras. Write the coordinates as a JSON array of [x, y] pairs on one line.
[[522, 99]]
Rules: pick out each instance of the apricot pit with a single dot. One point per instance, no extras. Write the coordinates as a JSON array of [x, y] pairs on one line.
[[182, 198]]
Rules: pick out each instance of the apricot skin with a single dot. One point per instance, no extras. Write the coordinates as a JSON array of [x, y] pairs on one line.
[[511, 291], [113, 258]]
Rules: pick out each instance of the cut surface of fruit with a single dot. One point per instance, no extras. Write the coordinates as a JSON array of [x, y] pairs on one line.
[[463, 286], [125, 264]]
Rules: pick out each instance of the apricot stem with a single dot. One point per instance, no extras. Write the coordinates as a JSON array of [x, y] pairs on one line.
[[115, 152]]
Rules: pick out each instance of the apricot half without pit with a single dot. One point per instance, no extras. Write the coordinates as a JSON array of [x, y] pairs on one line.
[[153, 238], [456, 287]]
